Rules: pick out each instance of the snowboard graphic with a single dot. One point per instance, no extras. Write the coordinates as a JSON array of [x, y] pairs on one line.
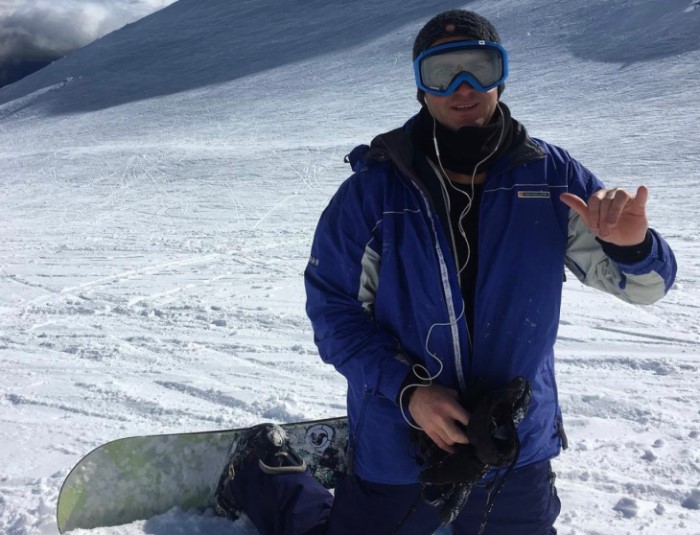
[[139, 477]]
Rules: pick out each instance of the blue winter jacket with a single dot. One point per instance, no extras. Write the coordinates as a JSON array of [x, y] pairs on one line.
[[383, 291]]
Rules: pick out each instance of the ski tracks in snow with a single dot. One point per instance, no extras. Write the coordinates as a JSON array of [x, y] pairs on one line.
[[150, 317]]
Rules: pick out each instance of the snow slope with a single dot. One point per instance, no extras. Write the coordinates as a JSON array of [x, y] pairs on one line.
[[159, 191]]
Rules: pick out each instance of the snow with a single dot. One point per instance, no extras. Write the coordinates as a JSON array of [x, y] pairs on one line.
[[159, 192]]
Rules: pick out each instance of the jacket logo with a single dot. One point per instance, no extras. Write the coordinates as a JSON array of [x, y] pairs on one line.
[[533, 195]]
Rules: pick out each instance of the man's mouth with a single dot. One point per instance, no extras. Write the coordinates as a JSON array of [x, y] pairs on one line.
[[465, 108]]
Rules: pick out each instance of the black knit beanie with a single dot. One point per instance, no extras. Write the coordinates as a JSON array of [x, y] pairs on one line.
[[455, 23]]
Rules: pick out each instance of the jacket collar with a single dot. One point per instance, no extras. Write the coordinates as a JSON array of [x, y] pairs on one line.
[[397, 146]]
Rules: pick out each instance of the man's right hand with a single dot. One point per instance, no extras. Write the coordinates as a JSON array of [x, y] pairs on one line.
[[437, 410]]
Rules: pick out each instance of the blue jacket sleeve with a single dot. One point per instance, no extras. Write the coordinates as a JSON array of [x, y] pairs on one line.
[[341, 281]]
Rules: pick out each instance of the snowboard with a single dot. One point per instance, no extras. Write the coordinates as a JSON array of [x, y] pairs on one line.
[[139, 477]]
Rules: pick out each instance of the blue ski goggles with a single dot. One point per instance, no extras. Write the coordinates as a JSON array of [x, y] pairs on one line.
[[442, 69]]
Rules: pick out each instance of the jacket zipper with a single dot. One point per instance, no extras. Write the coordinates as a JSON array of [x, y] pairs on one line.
[[447, 291], [408, 172]]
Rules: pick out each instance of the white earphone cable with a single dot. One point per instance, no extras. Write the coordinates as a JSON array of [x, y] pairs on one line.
[[420, 371]]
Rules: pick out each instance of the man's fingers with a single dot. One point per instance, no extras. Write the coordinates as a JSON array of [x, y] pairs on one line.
[[454, 435], [615, 215], [436, 409], [450, 431], [459, 414], [577, 204], [438, 434], [594, 204], [446, 437], [604, 214], [440, 443], [605, 206], [617, 205], [640, 199]]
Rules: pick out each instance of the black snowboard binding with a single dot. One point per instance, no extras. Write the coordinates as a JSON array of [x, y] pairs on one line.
[[268, 444]]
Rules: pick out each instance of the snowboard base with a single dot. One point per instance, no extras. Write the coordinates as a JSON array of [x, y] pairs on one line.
[[139, 477]]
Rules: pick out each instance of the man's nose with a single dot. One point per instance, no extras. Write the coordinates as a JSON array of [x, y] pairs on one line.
[[464, 88]]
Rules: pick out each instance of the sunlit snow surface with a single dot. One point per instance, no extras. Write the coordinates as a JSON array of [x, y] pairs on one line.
[[159, 190]]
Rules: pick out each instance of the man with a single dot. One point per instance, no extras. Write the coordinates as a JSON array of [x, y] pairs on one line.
[[435, 278]]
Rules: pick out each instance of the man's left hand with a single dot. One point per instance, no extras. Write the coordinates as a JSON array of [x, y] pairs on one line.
[[614, 215]]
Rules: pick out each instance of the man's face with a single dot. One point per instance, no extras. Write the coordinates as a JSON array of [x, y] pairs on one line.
[[464, 107]]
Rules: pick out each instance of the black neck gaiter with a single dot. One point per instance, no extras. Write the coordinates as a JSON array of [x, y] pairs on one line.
[[463, 149]]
